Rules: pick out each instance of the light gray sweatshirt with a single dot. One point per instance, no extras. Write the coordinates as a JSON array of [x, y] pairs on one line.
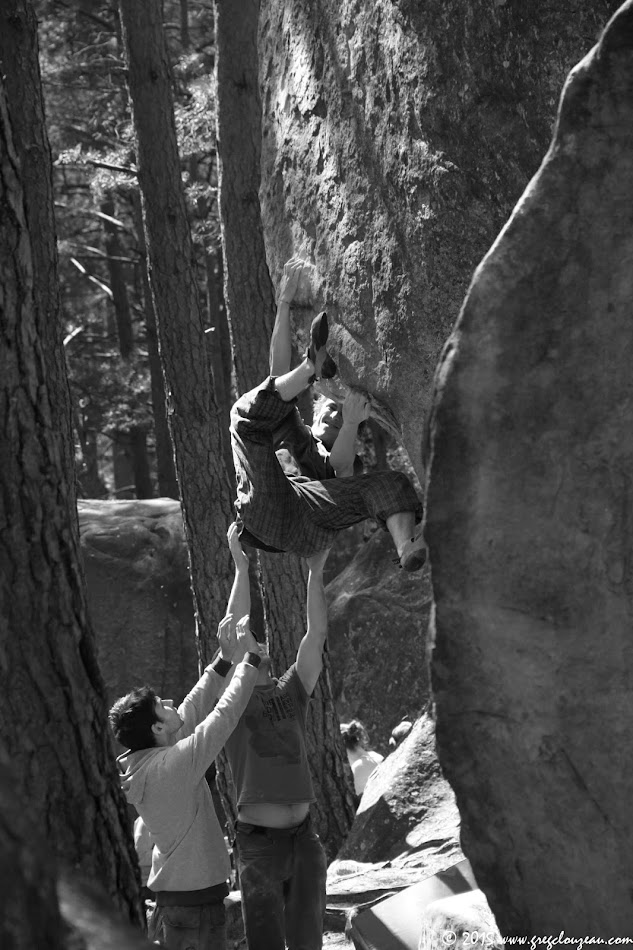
[[167, 786]]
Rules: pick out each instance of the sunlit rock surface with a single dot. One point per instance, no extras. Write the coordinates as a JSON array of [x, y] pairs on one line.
[[377, 624], [135, 562], [397, 137], [530, 528]]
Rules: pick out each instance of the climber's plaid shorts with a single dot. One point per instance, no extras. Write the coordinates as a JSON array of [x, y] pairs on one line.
[[294, 513]]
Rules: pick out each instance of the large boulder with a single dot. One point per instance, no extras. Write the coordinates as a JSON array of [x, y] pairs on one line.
[[135, 562], [377, 618], [397, 137], [530, 529]]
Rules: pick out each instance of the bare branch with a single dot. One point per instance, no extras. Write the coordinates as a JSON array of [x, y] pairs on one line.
[[95, 280], [128, 169], [72, 335]]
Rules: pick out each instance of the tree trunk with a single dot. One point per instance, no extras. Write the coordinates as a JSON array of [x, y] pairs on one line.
[[250, 304], [20, 66], [29, 911], [165, 468], [379, 440], [132, 477], [118, 286], [89, 481], [53, 722], [122, 467], [194, 425], [219, 345], [184, 24], [140, 463], [248, 292]]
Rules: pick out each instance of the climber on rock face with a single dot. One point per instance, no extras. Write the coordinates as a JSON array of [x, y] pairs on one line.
[[302, 513]]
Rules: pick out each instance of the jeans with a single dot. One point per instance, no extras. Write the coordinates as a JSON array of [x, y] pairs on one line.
[[282, 880], [202, 927]]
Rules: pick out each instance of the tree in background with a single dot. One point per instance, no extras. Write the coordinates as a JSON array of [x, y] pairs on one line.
[[112, 348], [53, 724], [194, 420], [250, 302]]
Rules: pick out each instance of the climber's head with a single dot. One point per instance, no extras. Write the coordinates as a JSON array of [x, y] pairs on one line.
[[328, 419]]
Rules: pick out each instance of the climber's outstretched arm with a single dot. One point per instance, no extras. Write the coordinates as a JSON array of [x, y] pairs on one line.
[[281, 340], [355, 410]]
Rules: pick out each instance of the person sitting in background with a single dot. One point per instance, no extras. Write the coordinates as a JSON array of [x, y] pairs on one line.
[[163, 776], [399, 733], [362, 760]]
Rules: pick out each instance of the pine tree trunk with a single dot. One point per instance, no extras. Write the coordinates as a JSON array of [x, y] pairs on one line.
[[140, 463], [122, 466], [194, 423], [29, 911], [20, 66], [250, 304], [220, 351], [90, 484], [184, 24], [53, 717], [118, 286], [165, 468]]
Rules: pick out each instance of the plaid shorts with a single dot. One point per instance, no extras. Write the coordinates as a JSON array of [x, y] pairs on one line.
[[293, 513]]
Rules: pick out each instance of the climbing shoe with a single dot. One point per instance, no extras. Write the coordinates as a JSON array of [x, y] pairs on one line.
[[324, 365], [413, 556]]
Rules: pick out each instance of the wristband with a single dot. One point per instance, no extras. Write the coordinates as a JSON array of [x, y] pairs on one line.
[[220, 666], [253, 658]]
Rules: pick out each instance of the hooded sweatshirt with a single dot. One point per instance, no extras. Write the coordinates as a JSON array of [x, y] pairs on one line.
[[167, 786]]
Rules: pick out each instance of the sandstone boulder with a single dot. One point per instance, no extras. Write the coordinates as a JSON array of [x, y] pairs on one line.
[[530, 533], [135, 562], [397, 137], [378, 617]]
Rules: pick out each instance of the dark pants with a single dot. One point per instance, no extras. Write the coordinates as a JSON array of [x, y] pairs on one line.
[[202, 927], [293, 513], [282, 880]]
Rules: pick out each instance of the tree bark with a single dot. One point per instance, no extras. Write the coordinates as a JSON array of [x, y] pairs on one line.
[[184, 24], [219, 345], [53, 717], [29, 914], [90, 483], [193, 418], [132, 477], [250, 301], [118, 286], [248, 290], [165, 468], [122, 466], [18, 55]]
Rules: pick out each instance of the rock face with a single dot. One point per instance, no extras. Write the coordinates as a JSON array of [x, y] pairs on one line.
[[397, 137], [530, 531], [378, 618], [407, 814], [135, 561]]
